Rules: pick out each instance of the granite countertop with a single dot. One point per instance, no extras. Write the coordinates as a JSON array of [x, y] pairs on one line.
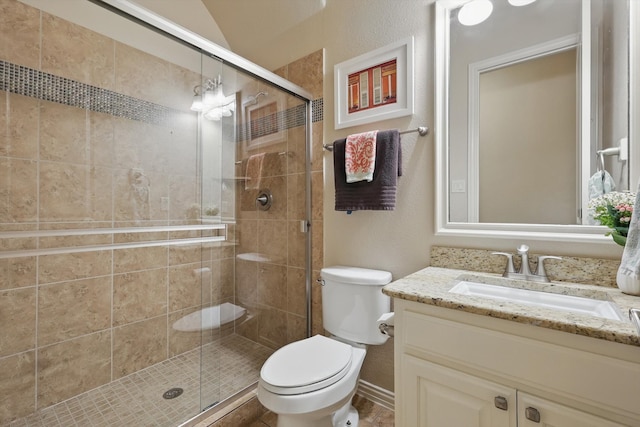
[[431, 286]]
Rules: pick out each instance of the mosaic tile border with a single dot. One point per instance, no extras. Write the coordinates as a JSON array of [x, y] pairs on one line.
[[27, 81], [49, 87], [288, 119], [317, 110]]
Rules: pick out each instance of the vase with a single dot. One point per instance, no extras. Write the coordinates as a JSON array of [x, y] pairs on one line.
[[629, 285]]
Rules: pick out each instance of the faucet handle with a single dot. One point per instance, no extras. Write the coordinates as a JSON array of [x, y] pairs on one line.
[[510, 268], [540, 271], [523, 249]]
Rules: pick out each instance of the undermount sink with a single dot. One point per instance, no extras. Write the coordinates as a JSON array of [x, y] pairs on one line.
[[575, 304]]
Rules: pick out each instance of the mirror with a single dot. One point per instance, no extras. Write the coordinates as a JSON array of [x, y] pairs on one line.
[[530, 104]]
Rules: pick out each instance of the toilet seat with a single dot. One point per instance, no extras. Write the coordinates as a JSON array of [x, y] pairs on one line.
[[307, 365]]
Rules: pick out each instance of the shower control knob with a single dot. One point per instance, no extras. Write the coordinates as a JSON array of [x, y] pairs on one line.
[[264, 200]]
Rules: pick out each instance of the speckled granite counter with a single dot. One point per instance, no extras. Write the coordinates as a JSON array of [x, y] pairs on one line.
[[431, 286]]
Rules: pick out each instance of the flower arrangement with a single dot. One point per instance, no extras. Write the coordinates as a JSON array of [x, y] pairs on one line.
[[614, 210]]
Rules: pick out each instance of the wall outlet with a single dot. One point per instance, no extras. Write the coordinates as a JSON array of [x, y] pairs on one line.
[[458, 186], [164, 204]]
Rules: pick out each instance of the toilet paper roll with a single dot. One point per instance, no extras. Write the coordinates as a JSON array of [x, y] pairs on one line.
[[385, 323]]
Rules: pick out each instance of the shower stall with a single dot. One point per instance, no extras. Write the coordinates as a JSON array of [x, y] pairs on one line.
[[154, 217]]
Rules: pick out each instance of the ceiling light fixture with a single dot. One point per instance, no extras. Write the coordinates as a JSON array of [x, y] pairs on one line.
[[475, 12]]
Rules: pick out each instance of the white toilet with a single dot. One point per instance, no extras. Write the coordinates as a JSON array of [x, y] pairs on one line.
[[310, 383]]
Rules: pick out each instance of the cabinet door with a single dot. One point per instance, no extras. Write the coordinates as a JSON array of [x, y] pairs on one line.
[[536, 412], [435, 396]]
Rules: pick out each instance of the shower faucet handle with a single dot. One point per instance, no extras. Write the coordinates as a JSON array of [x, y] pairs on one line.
[[264, 200]]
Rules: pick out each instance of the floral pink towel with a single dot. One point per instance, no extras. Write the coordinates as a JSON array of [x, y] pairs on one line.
[[360, 156]]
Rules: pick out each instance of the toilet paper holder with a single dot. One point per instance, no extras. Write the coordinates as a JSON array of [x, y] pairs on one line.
[[387, 329], [385, 324]]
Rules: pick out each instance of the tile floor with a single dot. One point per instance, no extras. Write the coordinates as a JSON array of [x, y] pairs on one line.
[[228, 366], [136, 400]]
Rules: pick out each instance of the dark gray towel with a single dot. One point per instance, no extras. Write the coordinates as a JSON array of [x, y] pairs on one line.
[[379, 194]]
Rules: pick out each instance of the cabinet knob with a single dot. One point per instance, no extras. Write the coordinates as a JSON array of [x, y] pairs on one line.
[[501, 403], [532, 414]]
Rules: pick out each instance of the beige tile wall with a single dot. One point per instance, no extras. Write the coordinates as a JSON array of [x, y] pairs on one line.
[[275, 289], [74, 321]]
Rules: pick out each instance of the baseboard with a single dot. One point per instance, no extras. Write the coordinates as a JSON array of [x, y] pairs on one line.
[[379, 395]]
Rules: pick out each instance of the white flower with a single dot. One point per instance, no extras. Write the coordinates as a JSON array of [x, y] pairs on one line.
[[613, 198]]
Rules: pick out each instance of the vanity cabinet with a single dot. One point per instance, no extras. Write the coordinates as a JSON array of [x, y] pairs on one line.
[[468, 370]]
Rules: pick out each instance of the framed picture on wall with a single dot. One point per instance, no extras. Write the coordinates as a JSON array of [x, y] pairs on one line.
[[264, 117], [375, 86]]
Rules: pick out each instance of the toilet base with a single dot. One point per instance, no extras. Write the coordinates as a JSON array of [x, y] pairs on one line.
[[353, 418], [347, 416]]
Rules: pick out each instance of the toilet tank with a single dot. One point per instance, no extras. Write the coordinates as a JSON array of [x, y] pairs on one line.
[[352, 303]]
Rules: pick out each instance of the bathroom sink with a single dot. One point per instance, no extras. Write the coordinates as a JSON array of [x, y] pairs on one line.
[[575, 304]]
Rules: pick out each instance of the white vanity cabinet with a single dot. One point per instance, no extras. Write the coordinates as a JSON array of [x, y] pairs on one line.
[[456, 369]]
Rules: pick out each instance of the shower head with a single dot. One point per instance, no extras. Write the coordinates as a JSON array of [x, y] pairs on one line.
[[253, 99]]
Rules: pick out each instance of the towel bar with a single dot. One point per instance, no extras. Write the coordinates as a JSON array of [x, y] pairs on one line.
[[282, 153], [422, 131]]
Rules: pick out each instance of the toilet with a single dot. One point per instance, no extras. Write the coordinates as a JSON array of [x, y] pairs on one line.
[[310, 383]]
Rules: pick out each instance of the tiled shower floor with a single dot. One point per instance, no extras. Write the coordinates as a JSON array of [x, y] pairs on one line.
[[228, 366]]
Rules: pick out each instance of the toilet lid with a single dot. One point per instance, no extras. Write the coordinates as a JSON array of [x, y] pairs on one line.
[[306, 365]]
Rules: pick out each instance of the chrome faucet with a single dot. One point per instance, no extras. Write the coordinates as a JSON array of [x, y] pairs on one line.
[[540, 275]]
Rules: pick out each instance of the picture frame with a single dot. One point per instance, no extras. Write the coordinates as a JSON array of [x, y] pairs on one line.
[[263, 121], [375, 86]]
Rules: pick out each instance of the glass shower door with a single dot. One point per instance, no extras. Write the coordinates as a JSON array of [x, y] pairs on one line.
[[254, 176]]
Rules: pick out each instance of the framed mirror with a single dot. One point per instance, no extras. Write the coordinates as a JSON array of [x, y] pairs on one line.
[[532, 101]]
